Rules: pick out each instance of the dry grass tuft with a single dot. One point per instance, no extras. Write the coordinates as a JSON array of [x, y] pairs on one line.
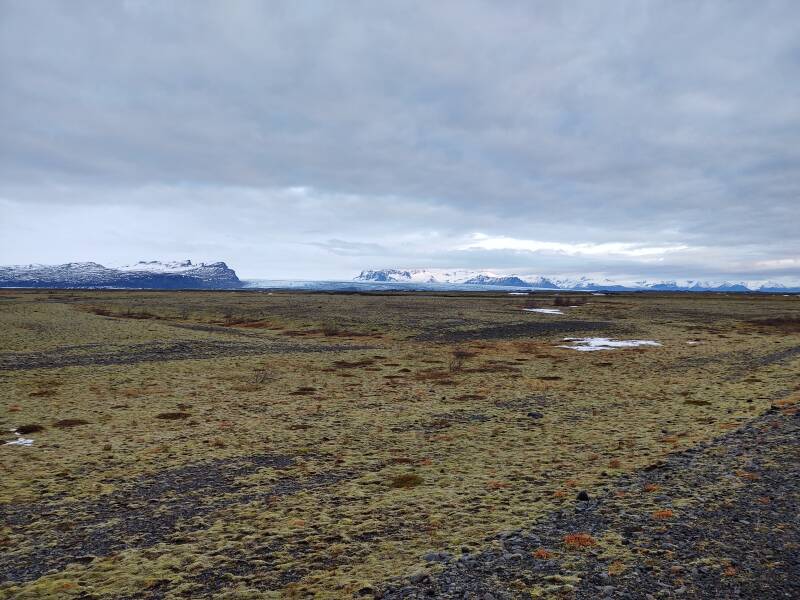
[[697, 402], [782, 324], [405, 481], [43, 393], [345, 364], [64, 423], [173, 416], [459, 355], [616, 568], [306, 390], [32, 428]]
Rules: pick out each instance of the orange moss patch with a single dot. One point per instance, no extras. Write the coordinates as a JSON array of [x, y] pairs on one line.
[[576, 541], [497, 485]]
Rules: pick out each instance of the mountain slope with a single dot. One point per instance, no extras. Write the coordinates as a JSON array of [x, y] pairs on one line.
[[142, 275], [464, 277]]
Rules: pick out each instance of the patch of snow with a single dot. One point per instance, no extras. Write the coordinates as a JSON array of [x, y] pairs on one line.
[[546, 311], [598, 294], [594, 344], [20, 441], [517, 293]]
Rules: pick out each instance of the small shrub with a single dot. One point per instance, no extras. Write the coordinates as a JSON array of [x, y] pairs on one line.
[[569, 301], [63, 423], [331, 328], [615, 463], [173, 416], [32, 428], [405, 481], [542, 554], [346, 364], [304, 391], [663, 514], [457, 359]]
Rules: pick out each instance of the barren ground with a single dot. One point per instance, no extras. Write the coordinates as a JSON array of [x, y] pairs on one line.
[[255, 445]]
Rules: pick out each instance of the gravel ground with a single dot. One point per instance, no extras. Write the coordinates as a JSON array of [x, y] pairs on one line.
[[515, 330], [92, 355], [718, 521], [154, 509]]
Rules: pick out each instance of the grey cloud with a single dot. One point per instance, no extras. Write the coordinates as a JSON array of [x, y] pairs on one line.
[[345, 248], [644, 122]]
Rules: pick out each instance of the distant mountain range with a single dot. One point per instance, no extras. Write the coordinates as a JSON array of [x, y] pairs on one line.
[[142, 275], [484, 278], [213, 276]]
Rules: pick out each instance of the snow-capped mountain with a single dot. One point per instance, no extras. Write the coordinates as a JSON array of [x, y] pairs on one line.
[[142, 275], [465, 277]]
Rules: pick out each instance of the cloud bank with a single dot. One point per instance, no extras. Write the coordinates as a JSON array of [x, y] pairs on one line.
[[305, 139]]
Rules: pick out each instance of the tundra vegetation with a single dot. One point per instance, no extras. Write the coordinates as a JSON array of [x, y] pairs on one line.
[[251, 444]]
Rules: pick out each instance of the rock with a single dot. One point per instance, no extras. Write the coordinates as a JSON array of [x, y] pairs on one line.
[[418, 577], [535, 415], [583, 496], [608, 590], [437, 557]]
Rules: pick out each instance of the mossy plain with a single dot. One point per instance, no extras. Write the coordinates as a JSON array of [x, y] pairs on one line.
[[258, 445]]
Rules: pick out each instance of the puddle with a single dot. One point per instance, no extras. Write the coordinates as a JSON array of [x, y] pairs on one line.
[[598, 294], [594, 344], [546, 311], [517, 293]]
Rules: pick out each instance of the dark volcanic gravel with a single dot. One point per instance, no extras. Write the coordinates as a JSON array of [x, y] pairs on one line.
[[142, 513], [73, 356], [514, 330], [718, 521]]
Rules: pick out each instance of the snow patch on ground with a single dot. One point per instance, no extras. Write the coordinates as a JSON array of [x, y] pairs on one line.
[[20, 441], [594, 344], [545, 311]]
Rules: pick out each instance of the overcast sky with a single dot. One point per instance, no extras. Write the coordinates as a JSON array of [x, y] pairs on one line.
[[314, 139]]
